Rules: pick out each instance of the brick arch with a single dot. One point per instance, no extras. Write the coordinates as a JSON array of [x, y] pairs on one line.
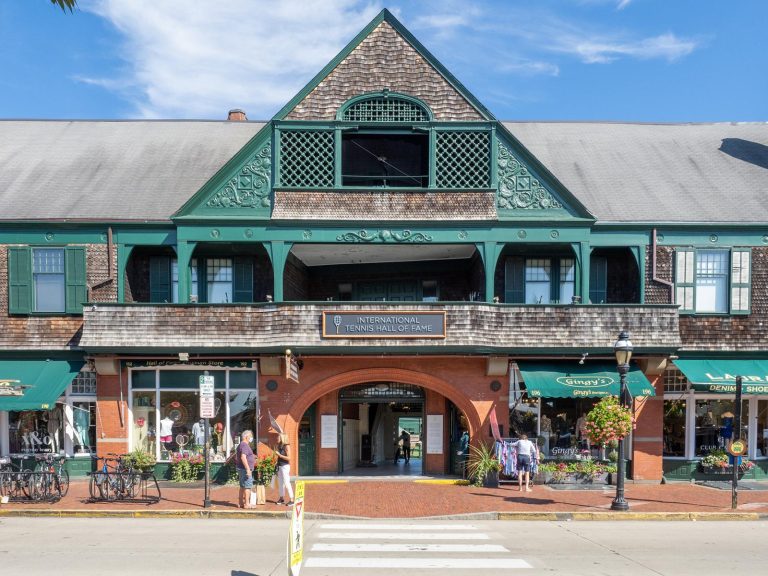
[[404, 376]]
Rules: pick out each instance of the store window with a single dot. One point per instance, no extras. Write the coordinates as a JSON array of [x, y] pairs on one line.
[[715, 424], [84, 384], [762, 429], [36, 431], [84, 427], [674, 428], [165, 411], [563, 428]]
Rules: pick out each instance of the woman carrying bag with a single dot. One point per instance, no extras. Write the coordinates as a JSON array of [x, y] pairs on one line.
[[283, 453]]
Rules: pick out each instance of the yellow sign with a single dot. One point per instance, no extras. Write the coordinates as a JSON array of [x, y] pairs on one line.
[[296, 532], [738, 447]]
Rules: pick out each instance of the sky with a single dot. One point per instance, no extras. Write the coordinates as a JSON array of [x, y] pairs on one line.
[[613, 60]]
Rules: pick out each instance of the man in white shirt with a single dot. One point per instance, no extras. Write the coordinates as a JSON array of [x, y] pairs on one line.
[[526, 450]]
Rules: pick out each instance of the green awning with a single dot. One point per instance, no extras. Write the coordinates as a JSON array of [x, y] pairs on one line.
[[46, 379], [571, 380], [720, 375]]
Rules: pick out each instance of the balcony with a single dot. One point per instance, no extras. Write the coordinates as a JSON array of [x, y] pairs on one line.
[[470, 328]]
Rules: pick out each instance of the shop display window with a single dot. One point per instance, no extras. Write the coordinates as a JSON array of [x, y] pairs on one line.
[[674, 428], [180, 428], [762, 429], [36, 431], [84, 427], [715, 424], [563, 428]]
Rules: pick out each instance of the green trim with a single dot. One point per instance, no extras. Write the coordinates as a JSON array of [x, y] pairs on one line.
[[384, 16], [386, 94], [196, 203], [47, 379]]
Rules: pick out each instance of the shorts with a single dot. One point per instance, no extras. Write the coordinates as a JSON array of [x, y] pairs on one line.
[[245, 480], [523, 462], [166, 439]]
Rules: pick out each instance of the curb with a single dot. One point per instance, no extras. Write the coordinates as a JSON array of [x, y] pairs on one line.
[[504, 516]]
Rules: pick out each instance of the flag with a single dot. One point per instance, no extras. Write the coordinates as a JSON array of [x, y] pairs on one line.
[[495, 425], [274, 423]]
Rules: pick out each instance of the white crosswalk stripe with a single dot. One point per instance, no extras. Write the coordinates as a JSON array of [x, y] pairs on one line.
[[406, 545]]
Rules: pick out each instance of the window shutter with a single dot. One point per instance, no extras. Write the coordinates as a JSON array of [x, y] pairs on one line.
[[243, 288], [19, 280], [514, 292], [685, 279], [76, 293], [740, 280], [160, 279], [598, 280]]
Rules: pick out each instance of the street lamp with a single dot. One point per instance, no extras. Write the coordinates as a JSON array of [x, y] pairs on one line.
[[623, 351]]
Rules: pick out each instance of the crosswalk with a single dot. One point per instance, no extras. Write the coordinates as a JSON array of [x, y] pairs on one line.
[[420, 545]]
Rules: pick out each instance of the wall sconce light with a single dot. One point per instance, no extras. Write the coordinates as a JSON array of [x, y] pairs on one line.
[[183, 356], [583, 357]]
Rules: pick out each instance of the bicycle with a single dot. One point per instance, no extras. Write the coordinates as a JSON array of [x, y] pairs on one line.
[[51, 478], [117, 479], [16, 483]]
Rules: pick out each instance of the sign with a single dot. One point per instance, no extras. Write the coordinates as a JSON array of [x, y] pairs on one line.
[[203, 363], [11, 388], [207, 407], [383, 324], [291, 368], [206, 386], [296, 533], [737, 447], [434, 433], [329, 431]]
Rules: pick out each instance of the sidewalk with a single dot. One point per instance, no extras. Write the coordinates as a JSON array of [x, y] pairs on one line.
[[425, 498]]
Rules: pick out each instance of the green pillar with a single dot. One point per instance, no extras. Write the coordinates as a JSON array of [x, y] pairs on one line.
[[583, 252], [123, 255], [489, 251], [639, 253], [184, 252], [278, 253]]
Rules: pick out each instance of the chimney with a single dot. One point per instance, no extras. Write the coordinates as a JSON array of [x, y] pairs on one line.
[[237, 115]]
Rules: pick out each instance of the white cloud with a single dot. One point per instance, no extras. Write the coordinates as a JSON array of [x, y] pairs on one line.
[[623, 4], [198, 59], [525, 67], [595, 50]]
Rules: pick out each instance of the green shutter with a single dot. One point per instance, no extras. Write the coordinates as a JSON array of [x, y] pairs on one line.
[[19, 280], [740, 280], [243, 289], [598, 280], [685, 279], [514, 281], [74, 272], [160, 279]]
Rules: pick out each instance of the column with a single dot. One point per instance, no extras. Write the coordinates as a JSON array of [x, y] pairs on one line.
[[4, 439], [184, 252], [278, 253], [123, 255]]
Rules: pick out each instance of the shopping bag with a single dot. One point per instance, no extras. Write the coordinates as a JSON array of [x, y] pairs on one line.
[[253, 499], [261, 494]]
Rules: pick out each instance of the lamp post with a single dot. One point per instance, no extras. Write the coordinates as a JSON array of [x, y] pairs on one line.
[[623, 351]]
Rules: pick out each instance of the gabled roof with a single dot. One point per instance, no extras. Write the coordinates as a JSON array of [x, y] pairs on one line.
[[657, 172], [384, 55], [110, 170]]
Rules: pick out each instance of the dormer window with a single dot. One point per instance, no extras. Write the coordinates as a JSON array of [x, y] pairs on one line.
[[384, 140]]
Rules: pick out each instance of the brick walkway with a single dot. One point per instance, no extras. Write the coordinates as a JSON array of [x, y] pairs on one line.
[[395, 499]]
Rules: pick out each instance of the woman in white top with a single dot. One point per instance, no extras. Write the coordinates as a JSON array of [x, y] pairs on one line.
[[525, 452]]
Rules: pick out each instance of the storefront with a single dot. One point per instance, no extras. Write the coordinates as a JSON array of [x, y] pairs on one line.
[[165, 409], [700, 409], [559, 395]]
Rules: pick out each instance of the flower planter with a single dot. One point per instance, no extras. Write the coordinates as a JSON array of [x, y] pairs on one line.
[[491, 479]]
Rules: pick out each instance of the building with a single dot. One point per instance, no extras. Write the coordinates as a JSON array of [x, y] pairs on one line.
[[383, 254]]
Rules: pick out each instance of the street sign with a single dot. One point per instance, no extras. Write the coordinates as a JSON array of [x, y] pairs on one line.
[[207, 407], [296, 534], [291, 368], [738, 447], [206, 387]]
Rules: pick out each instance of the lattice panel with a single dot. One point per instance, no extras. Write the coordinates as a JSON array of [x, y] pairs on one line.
[[463, 159], [385, 110], [306, 158]]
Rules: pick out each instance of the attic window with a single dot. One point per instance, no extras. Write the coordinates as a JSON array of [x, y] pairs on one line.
[[393, 160], [385, 108]]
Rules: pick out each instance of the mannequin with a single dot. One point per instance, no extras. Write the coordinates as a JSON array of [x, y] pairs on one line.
[[198, 432], [581, 430], [82, 424], [166, 430]]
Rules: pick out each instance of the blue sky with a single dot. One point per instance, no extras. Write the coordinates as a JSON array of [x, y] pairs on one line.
[[623, 60]]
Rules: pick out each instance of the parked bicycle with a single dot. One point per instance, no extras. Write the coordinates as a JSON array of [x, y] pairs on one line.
[[116, 479], [51, 479], [16, 483]]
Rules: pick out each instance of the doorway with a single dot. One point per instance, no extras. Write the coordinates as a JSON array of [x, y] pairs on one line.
[[373, 417]]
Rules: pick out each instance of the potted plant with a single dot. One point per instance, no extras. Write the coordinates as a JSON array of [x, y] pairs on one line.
[[141, 461], [186, 467], [716, 462], [483, 466]]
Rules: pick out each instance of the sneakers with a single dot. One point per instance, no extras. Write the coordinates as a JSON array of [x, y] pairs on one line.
[[280, 502]]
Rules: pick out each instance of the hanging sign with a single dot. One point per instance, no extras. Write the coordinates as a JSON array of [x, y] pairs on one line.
[[296, 534], [291, 368], [738, 447]]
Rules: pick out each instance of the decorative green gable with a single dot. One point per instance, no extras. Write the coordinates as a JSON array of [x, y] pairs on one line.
[[243, 186]]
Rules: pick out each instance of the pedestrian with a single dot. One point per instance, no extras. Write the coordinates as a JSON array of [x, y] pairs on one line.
[[245, 462], [526, 450], [405, 438], [283, 453], [464, 452]]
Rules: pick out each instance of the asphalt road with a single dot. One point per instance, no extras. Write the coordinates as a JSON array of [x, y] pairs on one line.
[[170, 547]]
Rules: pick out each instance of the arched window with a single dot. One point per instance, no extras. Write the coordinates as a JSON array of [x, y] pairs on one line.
[[384, 107]]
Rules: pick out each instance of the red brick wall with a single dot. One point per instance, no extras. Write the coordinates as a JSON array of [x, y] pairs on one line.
[[112, 418], [648, 434]]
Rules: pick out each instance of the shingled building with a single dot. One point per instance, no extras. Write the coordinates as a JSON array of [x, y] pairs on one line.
[[383, 254]]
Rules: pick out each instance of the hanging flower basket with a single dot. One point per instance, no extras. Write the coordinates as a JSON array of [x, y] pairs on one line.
[[608, 421]]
